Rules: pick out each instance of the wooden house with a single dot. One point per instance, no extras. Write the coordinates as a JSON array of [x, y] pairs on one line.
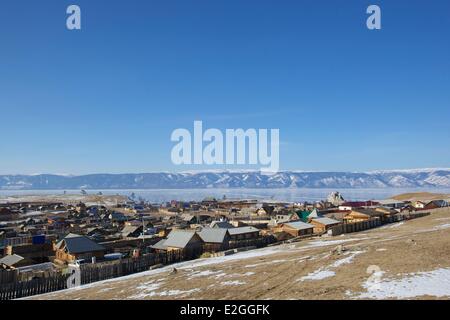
[[322, 225], [214, 239], [221, 224], [419, 204], [130, 231], [435, 204], [187, 242], [7, 214], [297, 228], [357, 215], [75, 247], [243, 233], [408, 208]]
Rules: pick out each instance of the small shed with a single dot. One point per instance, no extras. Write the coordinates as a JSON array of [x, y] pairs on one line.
[[11, 261]]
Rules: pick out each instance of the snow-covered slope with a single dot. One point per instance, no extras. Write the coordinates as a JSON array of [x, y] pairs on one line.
[[229, 179]]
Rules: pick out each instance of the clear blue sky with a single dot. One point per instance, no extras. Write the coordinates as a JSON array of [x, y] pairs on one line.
[[106, 98]]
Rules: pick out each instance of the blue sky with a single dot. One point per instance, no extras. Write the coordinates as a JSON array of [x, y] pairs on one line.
[[106, 98]]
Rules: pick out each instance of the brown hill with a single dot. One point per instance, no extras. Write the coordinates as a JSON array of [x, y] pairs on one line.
[[415, 196]]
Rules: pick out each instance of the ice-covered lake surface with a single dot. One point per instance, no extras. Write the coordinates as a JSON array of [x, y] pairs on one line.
[[288, 194]]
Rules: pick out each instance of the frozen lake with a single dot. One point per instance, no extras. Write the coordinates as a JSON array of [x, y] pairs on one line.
[[288, 194]]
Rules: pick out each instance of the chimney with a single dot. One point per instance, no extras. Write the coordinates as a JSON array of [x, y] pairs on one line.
[[8, 250]]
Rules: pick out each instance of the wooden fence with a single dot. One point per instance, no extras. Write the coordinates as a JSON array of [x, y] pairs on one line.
[[354, 227], [8, 276], [373, 223], [18, 290], [114, 269], [233, 244], [259, 242]]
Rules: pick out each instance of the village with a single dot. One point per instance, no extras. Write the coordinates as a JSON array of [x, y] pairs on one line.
[[41, 240]]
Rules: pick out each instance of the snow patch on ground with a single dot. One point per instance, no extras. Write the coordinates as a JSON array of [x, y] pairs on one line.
[[346, 260], [318, 275], [323, 243], [146, 290], [232, 283], [184, 293], [391, 226], [325, 272], [204, 274], [434, 283], [443, 226], [396, 225], [265, 263], [441, 219], [187, 265]]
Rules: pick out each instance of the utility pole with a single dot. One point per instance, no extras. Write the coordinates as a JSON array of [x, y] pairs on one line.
[[143, 230]]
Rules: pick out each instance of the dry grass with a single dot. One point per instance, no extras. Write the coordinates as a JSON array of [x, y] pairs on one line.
[[421, 196], [419, 245]]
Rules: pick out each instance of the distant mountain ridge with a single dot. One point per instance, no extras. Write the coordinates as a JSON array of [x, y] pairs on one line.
[[229, 179]]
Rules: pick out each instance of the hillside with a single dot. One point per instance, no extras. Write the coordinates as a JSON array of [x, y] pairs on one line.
[[418, 178], [410, 260], [423, 196]]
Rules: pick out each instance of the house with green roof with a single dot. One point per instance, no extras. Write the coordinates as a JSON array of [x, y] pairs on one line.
[[303, 215]]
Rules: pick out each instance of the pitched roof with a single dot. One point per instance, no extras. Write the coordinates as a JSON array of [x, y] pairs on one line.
[[11, 260], [439, 203], [79, 244], [160, 245], [128, 230], [314, 214], [325, 221], [187, 217], [213, 235], [221, 224], [299, 225], [369, 212], [242, 230], [179, 238], [303, 214]]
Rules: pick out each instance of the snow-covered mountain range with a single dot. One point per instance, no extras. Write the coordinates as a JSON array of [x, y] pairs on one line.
[[232, 179]]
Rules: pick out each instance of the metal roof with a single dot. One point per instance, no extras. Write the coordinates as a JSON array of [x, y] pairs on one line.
[[242, 230], [11, 260], [79, 244], [212, 235], [179, 238], [325, 221], [314, 214], [369, 212], [129, 229], [299, 225], [221, 224], [160, 245]]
